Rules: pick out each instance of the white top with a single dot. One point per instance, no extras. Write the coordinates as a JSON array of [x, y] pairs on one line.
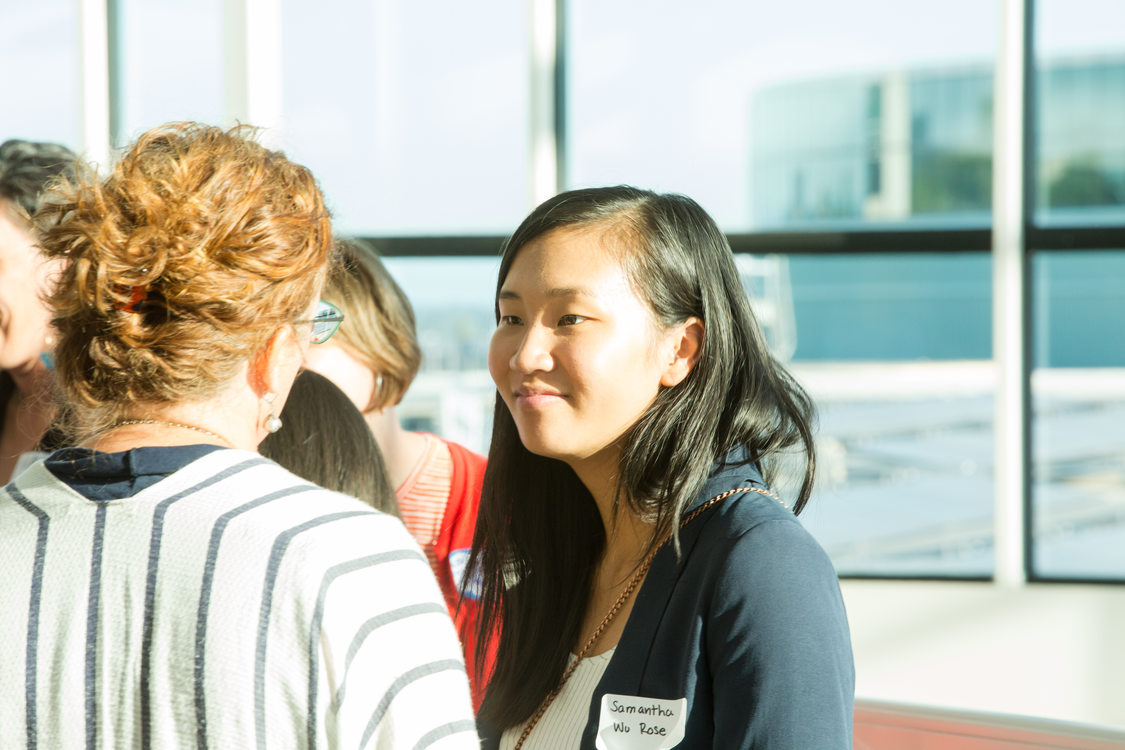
[[25, 460], [229, 605], [565, 720]]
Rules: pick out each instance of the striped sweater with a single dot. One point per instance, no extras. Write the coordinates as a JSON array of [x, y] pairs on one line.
[[229, 605]]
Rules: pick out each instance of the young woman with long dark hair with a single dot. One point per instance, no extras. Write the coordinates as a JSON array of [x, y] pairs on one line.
[[646, 586]]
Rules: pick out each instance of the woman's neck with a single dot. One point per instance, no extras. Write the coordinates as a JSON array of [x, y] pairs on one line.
[[401, 448], [232, 418], [27, 415], [628, 537], [627, 534], [32, 379]]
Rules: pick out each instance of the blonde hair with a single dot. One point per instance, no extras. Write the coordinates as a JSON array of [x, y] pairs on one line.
[[379, 330], [189, 255]]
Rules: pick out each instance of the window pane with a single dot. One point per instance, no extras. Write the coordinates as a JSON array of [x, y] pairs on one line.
[[453, 393], [413, 115], [1078, 391], [1080, 111], [788, 115], [170, 63], [39, 56], [895, 350], [892, 307]]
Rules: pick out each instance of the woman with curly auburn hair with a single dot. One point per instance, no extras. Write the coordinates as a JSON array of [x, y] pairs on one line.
[[164, 584]]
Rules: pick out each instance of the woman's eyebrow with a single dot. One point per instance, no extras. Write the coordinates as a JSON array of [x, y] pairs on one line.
[[570, 291], [563, 291]]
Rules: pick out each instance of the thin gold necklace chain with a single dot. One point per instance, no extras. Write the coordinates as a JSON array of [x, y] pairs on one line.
[[634, 581], [167, 423]]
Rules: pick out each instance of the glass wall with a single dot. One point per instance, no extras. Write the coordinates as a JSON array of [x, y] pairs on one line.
[[1078, 388], [39, 55], [170, 65], [1078, 302], [895, 350], [414, 115], [835, 140], [453, 393], [798, 117], [1080, 112], [802, 114]]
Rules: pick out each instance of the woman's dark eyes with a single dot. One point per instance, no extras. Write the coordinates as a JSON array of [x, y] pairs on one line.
[[565, 320]]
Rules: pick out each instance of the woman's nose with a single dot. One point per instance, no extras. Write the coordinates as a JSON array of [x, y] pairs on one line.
[[533, 354]]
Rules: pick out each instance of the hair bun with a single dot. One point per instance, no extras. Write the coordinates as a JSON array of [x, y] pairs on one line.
[[197, 246]]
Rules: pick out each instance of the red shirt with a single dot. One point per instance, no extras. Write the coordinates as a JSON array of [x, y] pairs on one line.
[[438, 503]]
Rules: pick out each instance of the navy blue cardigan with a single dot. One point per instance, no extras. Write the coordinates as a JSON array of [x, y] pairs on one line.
[[748, 626]]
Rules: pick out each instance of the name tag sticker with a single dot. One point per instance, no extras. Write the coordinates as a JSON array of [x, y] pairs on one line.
[[458, 567], [631, 721]]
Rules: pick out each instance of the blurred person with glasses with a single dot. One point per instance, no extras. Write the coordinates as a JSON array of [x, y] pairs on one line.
[[437, 482]]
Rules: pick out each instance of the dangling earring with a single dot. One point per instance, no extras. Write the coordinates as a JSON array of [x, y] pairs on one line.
[[47, 356], [273, 422]]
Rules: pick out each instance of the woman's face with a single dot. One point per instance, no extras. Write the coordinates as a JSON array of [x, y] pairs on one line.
[[339, 365], [24, 275], [577, 356]]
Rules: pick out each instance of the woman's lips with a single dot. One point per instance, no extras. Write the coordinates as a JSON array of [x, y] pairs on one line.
[[532, 398]]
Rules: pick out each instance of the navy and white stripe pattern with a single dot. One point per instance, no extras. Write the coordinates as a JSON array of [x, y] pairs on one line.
[[228, 605]]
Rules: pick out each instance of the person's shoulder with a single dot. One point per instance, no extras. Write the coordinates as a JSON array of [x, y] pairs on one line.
[[467, 474], [749, 508], [291, 502], [755, 528], [762, 559], [31, 475], [461, 453], [332, 531]]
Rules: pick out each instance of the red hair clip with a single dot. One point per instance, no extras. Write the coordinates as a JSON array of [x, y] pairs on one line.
[[137, 295]]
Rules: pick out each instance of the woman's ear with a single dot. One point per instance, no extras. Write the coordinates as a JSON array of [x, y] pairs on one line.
[[684, 343], [274, 367]]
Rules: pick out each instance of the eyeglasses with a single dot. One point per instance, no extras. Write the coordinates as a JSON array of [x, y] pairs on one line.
[[325, 322]]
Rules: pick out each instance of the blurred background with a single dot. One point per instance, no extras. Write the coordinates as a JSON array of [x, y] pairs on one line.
[[850, 152]]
